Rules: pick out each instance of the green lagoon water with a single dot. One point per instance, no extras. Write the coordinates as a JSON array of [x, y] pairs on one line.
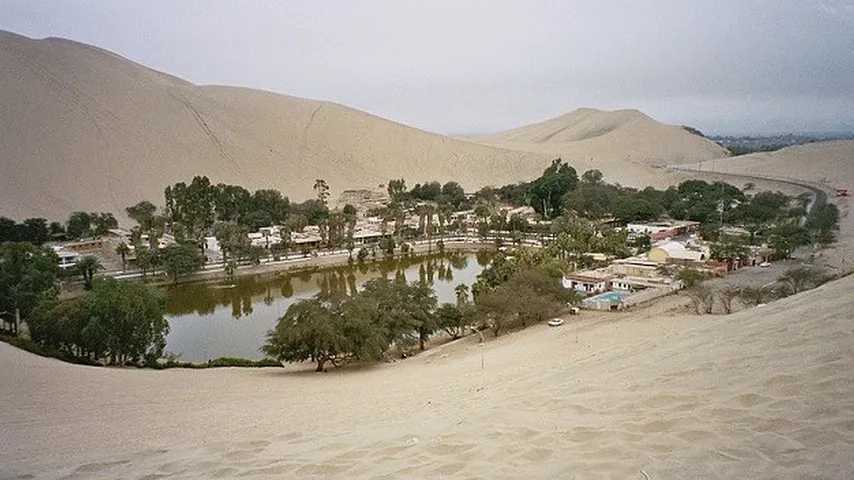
[[230, 319]]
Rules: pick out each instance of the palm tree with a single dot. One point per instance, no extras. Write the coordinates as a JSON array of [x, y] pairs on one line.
[[421, 211], [87, 266], [123, 250]]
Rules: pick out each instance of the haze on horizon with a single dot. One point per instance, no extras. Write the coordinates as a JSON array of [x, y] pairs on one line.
[[730, 67]]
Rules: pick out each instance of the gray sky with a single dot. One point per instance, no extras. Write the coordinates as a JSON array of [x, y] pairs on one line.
[[737, 66]]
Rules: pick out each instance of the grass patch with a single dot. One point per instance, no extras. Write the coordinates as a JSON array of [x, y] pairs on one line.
[[43, 351]]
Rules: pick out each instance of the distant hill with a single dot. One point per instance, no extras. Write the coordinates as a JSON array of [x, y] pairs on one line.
[[623, 144], [830, 163]]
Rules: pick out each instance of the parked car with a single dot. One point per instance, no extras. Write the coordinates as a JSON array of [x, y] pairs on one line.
[[555, 322], [765, 264]]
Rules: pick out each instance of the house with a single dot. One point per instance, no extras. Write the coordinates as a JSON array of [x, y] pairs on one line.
[[662, 230], [67, 258], [623, 284], [587, 282], [759, 255], [671, 251], [213, 250], [306, 240], [636, 267]]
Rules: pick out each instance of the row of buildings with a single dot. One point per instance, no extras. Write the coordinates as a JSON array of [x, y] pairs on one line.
[[627, 281]]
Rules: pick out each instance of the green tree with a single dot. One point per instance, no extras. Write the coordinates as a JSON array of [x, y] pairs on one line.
[[450, 318], [27, 276], [273, 203], [102, 222], [729, 248], [79, 225], [87, 266], [180, 259], [405, 311], [528, 296], [318, 330], [143, 214], [321, 189], [232, 239], [453, 195], [131, 316], [123, 250], [147, 258], [397, 190], [36, 231], [192, 206], [547, 192], [592, 177], [785, 238], [128, 317]]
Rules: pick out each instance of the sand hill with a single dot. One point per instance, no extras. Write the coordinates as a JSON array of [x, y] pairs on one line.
[[626, 145], [828, 163], [83, 128], [764, 393]]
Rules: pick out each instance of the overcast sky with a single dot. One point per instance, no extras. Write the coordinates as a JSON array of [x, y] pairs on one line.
[[737, 66]]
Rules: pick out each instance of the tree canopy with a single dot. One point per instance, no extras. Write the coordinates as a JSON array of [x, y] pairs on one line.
[[120, 322]]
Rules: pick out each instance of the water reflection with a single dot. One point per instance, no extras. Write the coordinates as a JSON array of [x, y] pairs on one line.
[[209, 320]]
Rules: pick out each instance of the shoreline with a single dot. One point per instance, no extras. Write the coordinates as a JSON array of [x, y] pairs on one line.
[[297, 264]]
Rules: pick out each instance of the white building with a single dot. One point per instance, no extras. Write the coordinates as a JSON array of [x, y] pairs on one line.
[[672, 251], [67, 258], [662, 230], [587, 282]]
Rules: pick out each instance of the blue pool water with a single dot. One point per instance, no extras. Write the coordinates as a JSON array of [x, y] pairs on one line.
[[612, 296]]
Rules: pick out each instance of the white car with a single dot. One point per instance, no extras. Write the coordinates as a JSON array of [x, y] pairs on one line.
[[555, 322], [765, 264]]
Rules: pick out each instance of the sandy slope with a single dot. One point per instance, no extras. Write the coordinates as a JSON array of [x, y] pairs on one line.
[[625, 145], [83, 128], [760, 394]]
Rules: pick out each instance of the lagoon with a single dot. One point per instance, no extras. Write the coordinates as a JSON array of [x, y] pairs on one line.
[[208, 320]]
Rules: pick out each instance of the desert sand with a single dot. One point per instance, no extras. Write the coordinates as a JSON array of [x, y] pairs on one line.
[[765, 393], [84, 128]]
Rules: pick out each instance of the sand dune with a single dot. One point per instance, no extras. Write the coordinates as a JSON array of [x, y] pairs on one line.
[[83, 128], [764, 393], [829, 163], [626, 145]]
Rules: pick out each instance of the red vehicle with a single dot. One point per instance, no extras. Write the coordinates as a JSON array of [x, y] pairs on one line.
[[841, 192]]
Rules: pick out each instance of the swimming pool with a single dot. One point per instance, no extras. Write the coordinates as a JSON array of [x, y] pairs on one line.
[[612, 296]]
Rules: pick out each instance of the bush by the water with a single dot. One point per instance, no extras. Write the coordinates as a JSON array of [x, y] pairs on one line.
[[116, 322]]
